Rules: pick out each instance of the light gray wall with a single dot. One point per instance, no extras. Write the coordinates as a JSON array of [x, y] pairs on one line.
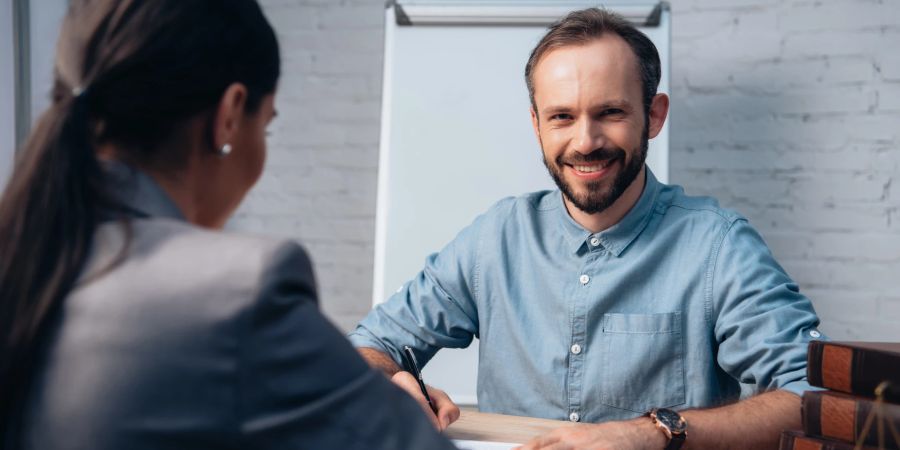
[[46, 18], [7, 92], [787, 111], [319, 181]]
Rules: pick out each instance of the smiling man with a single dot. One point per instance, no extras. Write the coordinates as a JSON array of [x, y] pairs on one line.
[[617, 300]]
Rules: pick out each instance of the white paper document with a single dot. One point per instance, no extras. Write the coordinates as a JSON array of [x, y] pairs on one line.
[[484, 445]]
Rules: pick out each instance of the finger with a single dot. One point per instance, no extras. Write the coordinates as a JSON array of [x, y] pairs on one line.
[[408, 383], [558, 446], [534, 445], [447, 411]]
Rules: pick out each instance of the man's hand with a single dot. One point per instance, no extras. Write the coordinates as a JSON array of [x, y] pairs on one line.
[[637, 434], [446, 412], [751, 424]]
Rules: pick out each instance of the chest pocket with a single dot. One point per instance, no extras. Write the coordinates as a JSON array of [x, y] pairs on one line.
[[644, 361]]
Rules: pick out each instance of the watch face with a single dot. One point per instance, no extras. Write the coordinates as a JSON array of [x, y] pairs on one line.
[[671, 419]]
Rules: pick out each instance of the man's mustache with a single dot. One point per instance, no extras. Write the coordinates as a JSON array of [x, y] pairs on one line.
[[601, 154]]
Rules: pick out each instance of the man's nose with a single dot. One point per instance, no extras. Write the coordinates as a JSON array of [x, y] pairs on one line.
[[588, 137]]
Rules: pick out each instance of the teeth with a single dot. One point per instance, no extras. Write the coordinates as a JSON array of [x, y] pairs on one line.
[[590, 169]]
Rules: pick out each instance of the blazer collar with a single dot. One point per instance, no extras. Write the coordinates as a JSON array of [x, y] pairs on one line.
[[138, 193]]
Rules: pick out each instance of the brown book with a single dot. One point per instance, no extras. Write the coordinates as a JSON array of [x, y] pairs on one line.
[[855, 367], [795, 440], [843, 417]]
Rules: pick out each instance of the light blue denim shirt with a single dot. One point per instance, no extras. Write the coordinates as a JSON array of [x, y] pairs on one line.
[[675, 306]]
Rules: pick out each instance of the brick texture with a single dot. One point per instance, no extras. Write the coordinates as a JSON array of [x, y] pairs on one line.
[[785, 110], [319, 183], [799, 132]]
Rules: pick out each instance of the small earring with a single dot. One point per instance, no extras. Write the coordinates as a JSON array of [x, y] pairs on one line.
[[225, 150]]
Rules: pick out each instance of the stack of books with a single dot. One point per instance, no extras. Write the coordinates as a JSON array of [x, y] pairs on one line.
[[860, 408]]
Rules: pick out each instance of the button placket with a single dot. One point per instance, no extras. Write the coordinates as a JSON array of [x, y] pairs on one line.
[[575, 372]]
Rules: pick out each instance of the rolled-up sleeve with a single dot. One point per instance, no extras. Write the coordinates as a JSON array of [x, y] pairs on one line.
[[762, 323], [436, 309]]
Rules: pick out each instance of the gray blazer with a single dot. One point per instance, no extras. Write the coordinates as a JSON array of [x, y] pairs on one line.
[[205, 340]]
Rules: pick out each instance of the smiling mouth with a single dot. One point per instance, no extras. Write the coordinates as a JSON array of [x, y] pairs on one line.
[[594, 166]]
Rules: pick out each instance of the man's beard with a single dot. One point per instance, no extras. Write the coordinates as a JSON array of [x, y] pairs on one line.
[[597, 199]]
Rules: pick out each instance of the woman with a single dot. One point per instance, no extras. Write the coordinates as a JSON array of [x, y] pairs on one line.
[[127, 321]]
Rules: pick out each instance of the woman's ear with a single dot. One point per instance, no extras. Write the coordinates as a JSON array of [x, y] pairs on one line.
[[228, 115]]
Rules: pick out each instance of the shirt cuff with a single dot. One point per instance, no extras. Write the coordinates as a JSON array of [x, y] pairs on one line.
[[361, 340], [799, 387], [364, 339]]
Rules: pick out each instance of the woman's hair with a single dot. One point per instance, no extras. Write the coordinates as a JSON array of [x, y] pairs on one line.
[[128, 73]]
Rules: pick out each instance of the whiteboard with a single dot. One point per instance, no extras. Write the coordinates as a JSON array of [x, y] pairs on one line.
[[456, 134]]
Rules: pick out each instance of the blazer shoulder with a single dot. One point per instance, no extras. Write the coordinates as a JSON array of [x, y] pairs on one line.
[[176, 252]]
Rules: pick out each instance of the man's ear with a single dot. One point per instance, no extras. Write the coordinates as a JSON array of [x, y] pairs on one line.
[[659, 110], [228, 114]]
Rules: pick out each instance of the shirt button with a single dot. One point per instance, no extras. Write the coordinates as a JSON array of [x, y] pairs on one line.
[[574, 417], [576, 349], [815, 334], [584, 279], [595, 242]]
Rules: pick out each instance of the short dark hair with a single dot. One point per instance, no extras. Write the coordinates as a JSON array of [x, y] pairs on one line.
[[586, 25]]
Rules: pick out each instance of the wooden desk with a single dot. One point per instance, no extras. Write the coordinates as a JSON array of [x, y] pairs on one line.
[[477, 426]]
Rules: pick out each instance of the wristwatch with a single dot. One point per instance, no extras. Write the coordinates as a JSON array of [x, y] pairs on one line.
[[671, 424]]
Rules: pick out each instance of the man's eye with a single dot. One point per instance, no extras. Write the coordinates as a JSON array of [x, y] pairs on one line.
[[561, 116], [613, 112]]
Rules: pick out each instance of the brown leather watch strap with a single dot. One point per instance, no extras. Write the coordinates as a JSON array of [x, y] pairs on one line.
[[676, 442]]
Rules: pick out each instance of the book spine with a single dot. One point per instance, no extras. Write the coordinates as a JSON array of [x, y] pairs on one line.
[[814, 364], [853, 370], [844, 418], [796, 441], [871, 368], [786, 442], [830, 366]]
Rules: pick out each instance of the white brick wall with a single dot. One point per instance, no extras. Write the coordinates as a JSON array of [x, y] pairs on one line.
[[319, 182], [788, 111], [790, 115]]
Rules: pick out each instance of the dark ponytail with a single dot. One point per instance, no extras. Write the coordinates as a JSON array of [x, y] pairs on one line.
[[145, 67], [47, 219]]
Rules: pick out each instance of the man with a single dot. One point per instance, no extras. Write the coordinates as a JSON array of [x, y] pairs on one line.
[[615, 295]]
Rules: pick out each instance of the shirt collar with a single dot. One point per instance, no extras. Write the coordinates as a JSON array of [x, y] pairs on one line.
[[619, 236], [138, 193]]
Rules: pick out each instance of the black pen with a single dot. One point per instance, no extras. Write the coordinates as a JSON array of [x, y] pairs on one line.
[[413, 368]]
